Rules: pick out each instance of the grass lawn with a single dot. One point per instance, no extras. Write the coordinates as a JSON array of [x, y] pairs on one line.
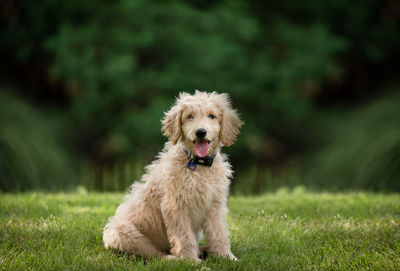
[[296, 230]]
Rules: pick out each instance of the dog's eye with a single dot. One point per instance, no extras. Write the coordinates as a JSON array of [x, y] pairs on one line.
[[191, 117], [211, 116]]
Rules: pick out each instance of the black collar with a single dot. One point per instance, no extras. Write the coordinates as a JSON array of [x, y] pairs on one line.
[[194, 160]]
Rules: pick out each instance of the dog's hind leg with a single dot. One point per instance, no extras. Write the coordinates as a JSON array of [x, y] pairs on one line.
[[124, 236]]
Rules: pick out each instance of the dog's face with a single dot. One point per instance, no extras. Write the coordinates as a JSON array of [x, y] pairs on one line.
[[202, 122], [200, 128]]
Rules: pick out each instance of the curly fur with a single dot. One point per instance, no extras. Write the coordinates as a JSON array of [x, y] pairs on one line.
[[166, 212]]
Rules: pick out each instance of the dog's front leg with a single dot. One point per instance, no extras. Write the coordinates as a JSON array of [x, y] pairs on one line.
[[216, 234], [180, 234]]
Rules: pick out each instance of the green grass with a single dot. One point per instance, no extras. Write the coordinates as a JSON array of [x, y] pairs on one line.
[[296, 230]]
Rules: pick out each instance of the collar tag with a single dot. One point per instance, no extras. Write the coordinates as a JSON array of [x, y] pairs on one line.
[[191, 165]]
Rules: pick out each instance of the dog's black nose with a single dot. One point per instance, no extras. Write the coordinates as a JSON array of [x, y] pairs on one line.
[[201, 133]]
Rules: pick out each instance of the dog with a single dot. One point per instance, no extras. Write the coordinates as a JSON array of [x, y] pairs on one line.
[[184, 191]]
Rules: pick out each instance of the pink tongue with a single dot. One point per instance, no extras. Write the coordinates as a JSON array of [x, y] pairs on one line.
[[201, 148]]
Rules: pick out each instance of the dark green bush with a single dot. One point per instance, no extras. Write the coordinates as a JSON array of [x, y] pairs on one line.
[[359, 148], [33, 153], [114, 67]]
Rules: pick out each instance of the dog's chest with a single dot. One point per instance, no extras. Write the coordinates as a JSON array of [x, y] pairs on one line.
[[199, 189], [200, 195]]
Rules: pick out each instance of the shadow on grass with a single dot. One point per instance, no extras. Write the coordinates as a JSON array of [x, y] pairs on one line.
[[137, 258]]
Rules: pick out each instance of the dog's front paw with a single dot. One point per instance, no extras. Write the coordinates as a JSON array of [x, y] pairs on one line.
[[226, 254], [171, 257], [177, 258], [232, 257], [192, 258]]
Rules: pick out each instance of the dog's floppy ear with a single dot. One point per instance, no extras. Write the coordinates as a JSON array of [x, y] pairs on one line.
[[230, 122], [171, 124]]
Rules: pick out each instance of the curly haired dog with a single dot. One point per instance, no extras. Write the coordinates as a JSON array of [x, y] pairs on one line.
[[185, 190]]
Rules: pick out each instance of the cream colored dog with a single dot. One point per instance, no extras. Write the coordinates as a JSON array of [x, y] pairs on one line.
[[185, 190]]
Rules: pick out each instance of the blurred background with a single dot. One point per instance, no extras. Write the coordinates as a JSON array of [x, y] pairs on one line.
[[84, 85]]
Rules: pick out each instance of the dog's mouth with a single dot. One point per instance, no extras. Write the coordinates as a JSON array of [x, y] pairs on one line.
[[201, 146]]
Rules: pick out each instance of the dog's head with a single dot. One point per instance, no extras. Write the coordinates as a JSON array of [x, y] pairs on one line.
[[202, 122]]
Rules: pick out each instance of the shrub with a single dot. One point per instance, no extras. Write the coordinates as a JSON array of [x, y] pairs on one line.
[[360, 148], [32, 152]]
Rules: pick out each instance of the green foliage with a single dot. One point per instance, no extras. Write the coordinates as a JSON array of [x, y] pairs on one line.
[[360, 148], [32, 153], [295, 230], [130, 56], [113, 68]]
